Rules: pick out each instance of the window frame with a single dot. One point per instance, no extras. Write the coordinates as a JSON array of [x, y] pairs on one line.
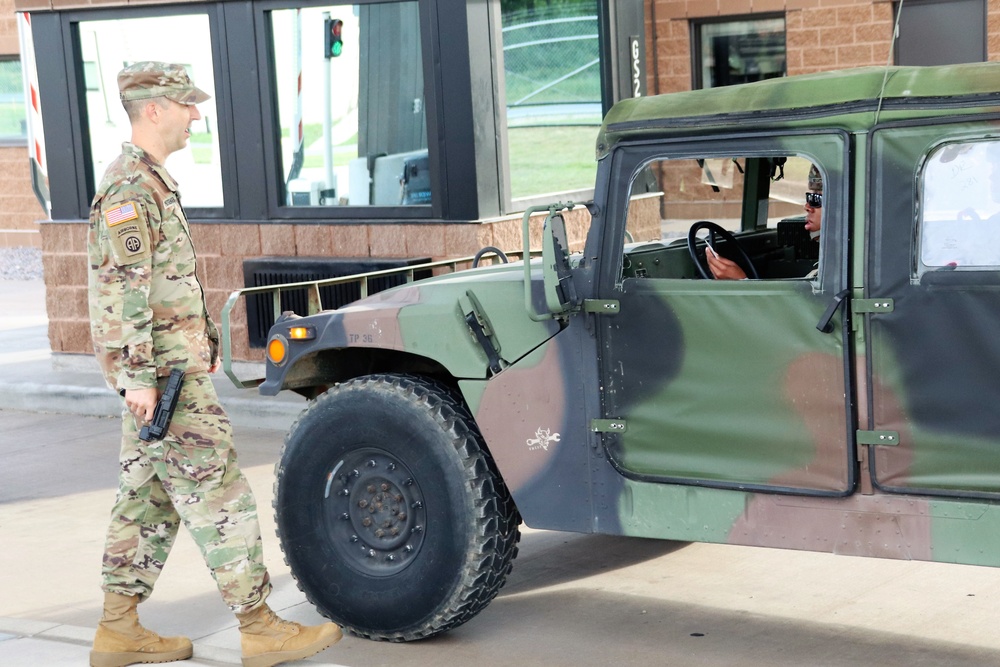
[[79, 119], [697, 82], [277, 210], [629, 157], [508, 203], [920, 245]]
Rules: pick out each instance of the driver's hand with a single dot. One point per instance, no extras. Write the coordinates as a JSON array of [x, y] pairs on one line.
[[724, 269]]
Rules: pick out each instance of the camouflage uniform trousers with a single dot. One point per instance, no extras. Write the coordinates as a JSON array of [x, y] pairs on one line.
[[191, 475]]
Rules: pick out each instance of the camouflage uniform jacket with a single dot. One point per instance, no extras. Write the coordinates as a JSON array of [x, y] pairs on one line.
[[147, 307]]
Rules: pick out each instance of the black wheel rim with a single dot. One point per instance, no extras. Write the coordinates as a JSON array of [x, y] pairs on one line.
[[374, 512]]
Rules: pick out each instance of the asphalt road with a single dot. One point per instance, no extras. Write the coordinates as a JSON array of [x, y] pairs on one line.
[[571, 599]]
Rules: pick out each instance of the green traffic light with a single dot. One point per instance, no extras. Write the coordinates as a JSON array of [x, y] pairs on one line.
[[337, 49]]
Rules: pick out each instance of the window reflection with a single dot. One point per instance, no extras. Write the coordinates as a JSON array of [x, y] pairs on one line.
[[960, 206], [108, 46], [735, 52], [553, 95], [13, 122], [353, 127]]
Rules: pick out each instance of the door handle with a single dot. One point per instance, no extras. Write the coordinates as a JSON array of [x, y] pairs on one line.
[[825, 324]]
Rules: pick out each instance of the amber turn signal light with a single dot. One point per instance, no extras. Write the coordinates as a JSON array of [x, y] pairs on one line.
[[301, 333], [277, 349]]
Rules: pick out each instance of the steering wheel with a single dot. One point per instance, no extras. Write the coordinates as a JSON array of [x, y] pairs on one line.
[[715, 230], [489, 250]]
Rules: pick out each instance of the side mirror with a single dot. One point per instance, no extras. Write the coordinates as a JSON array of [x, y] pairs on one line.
[[560, 294]]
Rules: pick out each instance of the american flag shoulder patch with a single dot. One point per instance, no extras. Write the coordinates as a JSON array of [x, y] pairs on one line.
[[119, 214]]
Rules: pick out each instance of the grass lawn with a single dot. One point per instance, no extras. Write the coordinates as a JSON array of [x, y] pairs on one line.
[[542, 159], [551, 159]]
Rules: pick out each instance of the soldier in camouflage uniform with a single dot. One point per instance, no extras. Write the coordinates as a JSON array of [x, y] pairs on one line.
[[727, 269], [148, 315]]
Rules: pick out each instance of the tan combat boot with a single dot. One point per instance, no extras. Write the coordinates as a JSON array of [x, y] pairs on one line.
[[269, 640], [121, 641]]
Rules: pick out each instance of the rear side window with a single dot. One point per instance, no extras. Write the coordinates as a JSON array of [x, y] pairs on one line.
[[960, 207]]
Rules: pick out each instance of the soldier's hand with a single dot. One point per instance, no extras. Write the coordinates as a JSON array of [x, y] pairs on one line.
[[724, 269], [215, 364], [142, 402]]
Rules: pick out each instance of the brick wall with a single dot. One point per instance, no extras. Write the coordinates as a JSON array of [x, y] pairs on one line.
[[19, 210], [8, 29], [222, 248], [821, 34], [993, 30]]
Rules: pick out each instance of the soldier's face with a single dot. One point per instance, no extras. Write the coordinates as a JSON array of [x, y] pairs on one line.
[[176, 124], [814, 217]]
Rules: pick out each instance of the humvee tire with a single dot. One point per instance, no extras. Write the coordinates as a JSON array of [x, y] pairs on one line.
[[392, 516]]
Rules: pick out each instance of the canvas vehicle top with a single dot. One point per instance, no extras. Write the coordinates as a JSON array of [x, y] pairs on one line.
[[839, 399]]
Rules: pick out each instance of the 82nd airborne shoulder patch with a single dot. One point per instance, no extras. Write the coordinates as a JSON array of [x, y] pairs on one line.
[[128, 232]]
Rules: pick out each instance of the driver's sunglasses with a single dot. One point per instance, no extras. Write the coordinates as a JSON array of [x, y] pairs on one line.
[[814, 199]]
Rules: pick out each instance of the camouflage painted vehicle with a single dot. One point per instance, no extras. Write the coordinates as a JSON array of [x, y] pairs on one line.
[[845, 401]]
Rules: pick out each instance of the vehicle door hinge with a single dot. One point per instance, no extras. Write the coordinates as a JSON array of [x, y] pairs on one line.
[[878, 438], [872, 306], [608, 425], [601, 306]]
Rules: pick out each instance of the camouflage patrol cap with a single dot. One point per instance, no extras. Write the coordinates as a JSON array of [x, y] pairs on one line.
[[815, 179], [146, 80]]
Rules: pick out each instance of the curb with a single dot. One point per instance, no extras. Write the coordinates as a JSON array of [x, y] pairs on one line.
[[88, 396]]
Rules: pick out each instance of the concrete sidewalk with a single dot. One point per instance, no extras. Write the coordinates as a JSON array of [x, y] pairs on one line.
[[34, 379], [48, 617], [57, 486]]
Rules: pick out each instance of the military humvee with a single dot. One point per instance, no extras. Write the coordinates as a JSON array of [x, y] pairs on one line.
[[842, 399]]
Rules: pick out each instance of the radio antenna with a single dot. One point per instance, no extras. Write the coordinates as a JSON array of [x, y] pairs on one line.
[[888, 62]]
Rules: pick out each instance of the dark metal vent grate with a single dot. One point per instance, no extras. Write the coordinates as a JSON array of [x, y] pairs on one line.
[[264, 271]]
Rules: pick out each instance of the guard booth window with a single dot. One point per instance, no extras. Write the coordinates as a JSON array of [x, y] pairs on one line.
[[552, 89], [352, 126], [106, 47], [13, 123], [741, 51]]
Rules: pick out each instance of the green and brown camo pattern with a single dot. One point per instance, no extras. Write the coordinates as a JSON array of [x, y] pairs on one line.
[[191, 475], [742, 419], [147, 306]]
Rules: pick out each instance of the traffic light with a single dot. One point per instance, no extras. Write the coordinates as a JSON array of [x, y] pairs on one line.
[[333, 43]]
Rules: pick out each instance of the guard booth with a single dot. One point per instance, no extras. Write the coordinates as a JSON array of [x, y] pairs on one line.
[[382, 133]]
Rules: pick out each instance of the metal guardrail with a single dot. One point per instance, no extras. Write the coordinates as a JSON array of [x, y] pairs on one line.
[[315, 303]]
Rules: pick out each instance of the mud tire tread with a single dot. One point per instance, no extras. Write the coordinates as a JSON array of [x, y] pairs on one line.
[[496, 533]]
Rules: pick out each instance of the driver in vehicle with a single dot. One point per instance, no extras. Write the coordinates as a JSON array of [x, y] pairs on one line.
[[726, 269]]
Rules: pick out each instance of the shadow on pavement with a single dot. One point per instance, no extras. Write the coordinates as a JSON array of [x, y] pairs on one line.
[[594, 628], [577, 557]]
